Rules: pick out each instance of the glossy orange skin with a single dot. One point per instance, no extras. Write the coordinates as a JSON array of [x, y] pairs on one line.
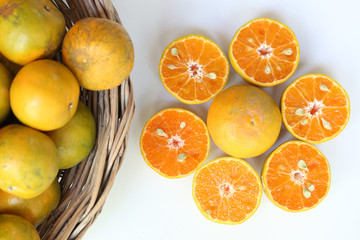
[[30, 29], [44, 95], [99, 52], [13, 227], [244, 121], [36, 209], [28, 161]]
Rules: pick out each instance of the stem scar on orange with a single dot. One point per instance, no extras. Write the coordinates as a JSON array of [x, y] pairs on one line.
[[296, 176], [193, 69], [174, 142], [227, 190], [315, 108], [264, 52]]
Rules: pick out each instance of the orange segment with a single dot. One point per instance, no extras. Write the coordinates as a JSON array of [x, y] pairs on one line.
[[227, 190], [174, 142], [193, 69], [296, 176], [315, 108], [264, 52]]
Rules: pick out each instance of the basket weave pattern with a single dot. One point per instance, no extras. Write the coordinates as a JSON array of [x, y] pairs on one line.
[[86, 186]]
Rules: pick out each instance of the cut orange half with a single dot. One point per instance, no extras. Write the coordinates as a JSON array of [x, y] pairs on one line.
[[227, 190], [315, 108], [264, 52], [174, 142], [296, 176], [193, 69]]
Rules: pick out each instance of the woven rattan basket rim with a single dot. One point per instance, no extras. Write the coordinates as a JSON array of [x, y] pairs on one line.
[[85, 187]]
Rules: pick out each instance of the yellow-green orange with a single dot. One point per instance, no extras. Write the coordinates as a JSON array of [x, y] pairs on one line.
[[99, 52], [13, 227], [244, 121], [36, 209], [44, 95], [30, 29], [28, 161], [5, 81], [75, 140]]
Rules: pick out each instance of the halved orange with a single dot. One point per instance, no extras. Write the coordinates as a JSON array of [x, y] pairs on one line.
[[264, 52], [174, 142], [315, 108], [296, 176], [193, 69], [227, 190]]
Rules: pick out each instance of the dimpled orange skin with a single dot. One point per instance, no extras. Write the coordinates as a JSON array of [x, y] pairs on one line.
[[13, 227], [30, 29], [29, 170], [244, 121], [44, 95], [99, 52], [36, 209]]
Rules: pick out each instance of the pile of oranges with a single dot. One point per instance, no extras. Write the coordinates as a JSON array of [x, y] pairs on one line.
[[244, 121], [44, 125]]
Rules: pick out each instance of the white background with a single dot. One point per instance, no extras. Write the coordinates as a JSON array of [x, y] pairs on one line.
[[144, 205]]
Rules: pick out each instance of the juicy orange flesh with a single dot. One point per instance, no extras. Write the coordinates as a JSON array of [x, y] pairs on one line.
[[186, 74], [227, 190], [258, 38], [335, 109], [162, 152], [287, 192]]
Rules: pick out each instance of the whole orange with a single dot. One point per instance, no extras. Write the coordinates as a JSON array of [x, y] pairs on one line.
[[244, 121], [13, 227], [76, 139], [28, 160], [5, 81], [99, 52], [44, 95], [30, 29], [36, 209]]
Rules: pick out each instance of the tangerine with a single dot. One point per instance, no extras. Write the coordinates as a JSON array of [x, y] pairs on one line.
[[75, 140], [174, 142], [296, 176], [264, 52], [227, 190], [193, 69], [244, 121], [36, 209], [14, 227], [28, 161], [44, 95], [99, 52], [23, 41]]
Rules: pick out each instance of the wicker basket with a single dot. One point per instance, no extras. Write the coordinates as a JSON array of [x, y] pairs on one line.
[[86, 186]]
